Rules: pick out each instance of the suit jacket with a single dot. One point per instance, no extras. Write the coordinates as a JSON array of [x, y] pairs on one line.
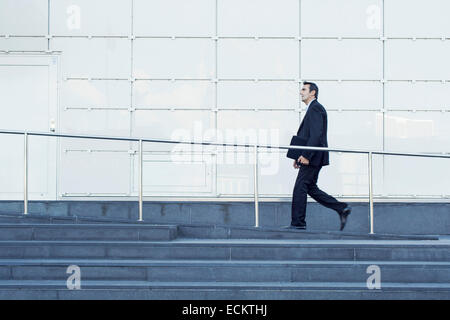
[[314, 129]]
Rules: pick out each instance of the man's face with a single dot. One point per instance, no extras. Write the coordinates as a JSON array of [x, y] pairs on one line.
[[305, 93]]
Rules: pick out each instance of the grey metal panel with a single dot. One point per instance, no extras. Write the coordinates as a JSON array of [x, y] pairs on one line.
[[23, 44], [179, 58], [277, 49], [409, 95], [95, 93], [364, 95], [96, 57], [341, 18], [23, 17], [173, 94], [420, 21], [268, 18], [261, 94], [84, 17], [174, 17], [28, 99], [263, 58], [346, 59], [405, 59]]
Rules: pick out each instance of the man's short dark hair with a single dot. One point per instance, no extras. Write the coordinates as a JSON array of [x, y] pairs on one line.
[[313, 86]]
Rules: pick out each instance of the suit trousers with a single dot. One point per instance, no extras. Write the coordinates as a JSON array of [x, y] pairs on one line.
[[306, 183]]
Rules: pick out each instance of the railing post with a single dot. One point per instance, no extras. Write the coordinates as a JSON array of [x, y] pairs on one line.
[[25, 173], [370, 195], [140, 180], [255, 174]]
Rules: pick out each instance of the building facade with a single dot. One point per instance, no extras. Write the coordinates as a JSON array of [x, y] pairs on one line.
[[222, 70]]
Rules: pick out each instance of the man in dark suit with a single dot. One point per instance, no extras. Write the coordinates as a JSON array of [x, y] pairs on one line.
[[314, 130]]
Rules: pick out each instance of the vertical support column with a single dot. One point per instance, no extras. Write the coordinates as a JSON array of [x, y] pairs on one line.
[[25, 173], [131, 113], [384, 93], [370, 195], [216, 107], [48, 24], [140, 180], [255, 153], [300, 40]]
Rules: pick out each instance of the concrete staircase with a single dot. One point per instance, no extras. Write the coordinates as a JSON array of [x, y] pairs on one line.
[[126, 260]]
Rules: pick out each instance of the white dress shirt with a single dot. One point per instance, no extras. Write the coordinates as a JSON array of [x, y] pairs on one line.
[[309, 104]]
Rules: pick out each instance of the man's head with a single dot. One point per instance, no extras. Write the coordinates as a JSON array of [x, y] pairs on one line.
[[309, 91]]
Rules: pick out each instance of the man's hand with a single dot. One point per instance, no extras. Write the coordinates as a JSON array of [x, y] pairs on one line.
[[303, 160], [296, 166]]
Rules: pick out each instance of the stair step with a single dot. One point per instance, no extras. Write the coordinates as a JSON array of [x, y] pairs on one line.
[[272, 285], [162, 262], [125, 259], [226, 294], [19, 217], [12, 230], [205, 231], [131, 232], [219, 270], [199, 231], [231, 249], [223, 293]]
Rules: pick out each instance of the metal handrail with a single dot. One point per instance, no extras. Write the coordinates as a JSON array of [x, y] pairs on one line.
[[255, 146]]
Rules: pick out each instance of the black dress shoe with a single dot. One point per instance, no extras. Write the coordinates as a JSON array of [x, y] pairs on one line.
[[343, 215], [291, 227]]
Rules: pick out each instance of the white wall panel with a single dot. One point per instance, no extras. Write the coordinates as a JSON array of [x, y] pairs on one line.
[[415, 18], [87, 17], [95, 93], [420, 59], [27, 102], [174, 18], [355, 130], [98, 122], [40, 169], [95, 166], [169, 94], [16, 104], [263, 58], [234, 180], [11, 170], [235, 165], [347, 174], [351, 95], [167, 58], [186, 170], [164, 174], [268, 18], [345, 59], [95, 122], [417, 131], [409, 176], [183, 125], [269, 127], [276, 174], [23, 17], [95, 172], [110, 167], [327, 18], [96, 57], [23, 44], [261, 94], [418, 95], [235, 173]]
